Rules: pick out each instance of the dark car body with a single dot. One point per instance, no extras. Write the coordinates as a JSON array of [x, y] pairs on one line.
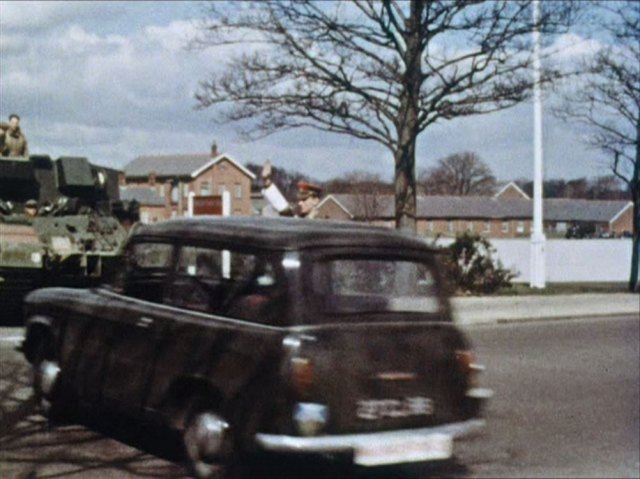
[[299, 336]]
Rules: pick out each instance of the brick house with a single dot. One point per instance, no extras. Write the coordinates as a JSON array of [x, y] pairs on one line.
[[493, 217], [176, 178], [152, 206]]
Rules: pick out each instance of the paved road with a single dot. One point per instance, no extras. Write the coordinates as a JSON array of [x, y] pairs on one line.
[[567, 399], [566, 405]]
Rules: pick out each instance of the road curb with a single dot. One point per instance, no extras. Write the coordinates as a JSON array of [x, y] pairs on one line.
[[494, 310]]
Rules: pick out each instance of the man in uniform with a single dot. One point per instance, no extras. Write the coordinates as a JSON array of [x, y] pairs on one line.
[[308, 198], [12, 140]]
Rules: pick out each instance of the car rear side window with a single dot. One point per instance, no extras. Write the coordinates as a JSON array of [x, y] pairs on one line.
[[369, 285]]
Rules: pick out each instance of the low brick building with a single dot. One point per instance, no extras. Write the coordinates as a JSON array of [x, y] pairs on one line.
[[176, 178], [494, 217]]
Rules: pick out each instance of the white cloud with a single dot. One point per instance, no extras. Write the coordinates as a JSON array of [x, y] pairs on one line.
[[569, 47], [31, 15], [172, 37]]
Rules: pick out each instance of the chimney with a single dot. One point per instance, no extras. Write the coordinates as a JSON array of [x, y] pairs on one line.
[[214, 149]]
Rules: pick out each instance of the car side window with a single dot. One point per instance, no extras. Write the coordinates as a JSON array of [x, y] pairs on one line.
[[226, 282], [261, 296], [205, 276], [147, 267]]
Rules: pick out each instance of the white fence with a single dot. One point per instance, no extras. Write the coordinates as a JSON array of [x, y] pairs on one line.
[[586, 260]]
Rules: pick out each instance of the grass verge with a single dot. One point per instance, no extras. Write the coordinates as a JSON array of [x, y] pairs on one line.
[[518, 289]]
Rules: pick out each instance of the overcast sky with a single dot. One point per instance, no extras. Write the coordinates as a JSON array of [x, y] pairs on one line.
[[113, 80]]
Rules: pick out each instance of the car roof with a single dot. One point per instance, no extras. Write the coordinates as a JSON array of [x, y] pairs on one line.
[[280, 233]]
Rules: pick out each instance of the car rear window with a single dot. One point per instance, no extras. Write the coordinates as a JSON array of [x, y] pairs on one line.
[[371, 285]]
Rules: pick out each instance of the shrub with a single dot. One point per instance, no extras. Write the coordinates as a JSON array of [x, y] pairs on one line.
[[469, 266]]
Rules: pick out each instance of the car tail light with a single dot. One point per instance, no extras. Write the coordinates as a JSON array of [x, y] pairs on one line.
[[471, 370], [468, 366], [301, 376]]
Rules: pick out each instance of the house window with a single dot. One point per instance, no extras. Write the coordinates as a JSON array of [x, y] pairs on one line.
[[520, 227], [430, 226], [238, 190], [469, 225], [561, 227], [205, 188], [505, 226], [161, 190], [175, 192], [221, 188], [487, 227], [185, 190], [450, 226], [144, 217]]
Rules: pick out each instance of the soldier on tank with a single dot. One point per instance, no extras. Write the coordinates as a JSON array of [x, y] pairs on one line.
[[31, 208], [12, 140]]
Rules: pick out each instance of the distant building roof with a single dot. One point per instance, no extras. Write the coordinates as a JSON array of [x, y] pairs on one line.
[[561, 209], [179, 165], [511, 190], [144, 196], [484, 207]]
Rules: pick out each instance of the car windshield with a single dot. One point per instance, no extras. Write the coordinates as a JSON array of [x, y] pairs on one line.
[[370, 285]]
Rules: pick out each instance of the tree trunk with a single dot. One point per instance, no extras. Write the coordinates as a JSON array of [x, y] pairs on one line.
[[407, 124], [405, 187]]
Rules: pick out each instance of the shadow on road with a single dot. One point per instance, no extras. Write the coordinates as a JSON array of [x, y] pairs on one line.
[[15, 395], [46, 451], [31, 447]]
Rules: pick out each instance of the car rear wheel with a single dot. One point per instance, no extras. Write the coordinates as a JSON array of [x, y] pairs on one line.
[[208, 444]]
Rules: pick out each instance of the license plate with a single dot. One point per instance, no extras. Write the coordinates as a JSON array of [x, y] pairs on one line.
[[377, 452]]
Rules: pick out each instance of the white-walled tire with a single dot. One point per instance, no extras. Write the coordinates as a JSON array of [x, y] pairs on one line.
[[45, 379], [208, 445], [45, 373]]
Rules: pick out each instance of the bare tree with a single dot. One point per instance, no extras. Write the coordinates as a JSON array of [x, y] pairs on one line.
[[375, 70], [461, 174], [358, 180], [607, 100], [370, 194]]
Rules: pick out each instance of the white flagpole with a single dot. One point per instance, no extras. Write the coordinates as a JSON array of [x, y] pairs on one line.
[[538, 239]]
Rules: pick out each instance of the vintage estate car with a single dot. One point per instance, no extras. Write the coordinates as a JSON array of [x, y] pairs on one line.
[[263, 335]]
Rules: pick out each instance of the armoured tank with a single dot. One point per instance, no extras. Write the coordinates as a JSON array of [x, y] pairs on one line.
[[59, 226]]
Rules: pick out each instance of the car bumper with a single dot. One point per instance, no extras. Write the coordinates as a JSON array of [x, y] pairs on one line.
[[347, 443]]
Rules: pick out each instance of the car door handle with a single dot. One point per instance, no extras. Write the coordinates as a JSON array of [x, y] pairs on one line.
[[144, 322]]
